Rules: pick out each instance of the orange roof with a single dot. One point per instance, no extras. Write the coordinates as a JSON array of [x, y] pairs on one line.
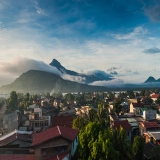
[[124, 124], [16, 157], [54, 132], [155, 95], [150, 124]]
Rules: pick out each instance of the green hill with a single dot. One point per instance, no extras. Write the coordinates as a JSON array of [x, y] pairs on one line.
[[40, 82]]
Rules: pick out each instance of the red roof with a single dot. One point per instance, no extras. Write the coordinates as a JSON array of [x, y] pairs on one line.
[[13, 137], [54, 132], [65, 121], [124, 124], [59, 157], [150, 124], [137, 104], [16, 157], [155, 95]]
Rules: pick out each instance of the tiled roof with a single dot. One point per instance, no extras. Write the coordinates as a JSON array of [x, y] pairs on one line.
[[16, 157], [150, 124], [155, 95], [54, 132], [13, 138], [65, 121], [147, 150], [59, 157], [137, 104], [123, 123]]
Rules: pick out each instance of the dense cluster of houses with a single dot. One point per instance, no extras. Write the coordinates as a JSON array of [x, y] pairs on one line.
[[42, 133], [140, 120]]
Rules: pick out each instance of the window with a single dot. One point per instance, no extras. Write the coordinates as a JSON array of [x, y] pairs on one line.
[[55, 150], [44, 153], [62, 149]]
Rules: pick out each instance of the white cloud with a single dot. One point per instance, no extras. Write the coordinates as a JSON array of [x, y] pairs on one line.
[[38, 9], [114, 82], [138, 31]]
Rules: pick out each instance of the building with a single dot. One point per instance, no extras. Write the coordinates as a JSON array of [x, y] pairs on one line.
[[64, 121], [37, 121], [135, 106], [148, 126], [56, 141]]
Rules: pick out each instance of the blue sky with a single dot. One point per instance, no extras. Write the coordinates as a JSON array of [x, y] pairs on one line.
[[120, 37]]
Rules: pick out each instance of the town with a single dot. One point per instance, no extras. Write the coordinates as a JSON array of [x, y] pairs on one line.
[[76, 125]]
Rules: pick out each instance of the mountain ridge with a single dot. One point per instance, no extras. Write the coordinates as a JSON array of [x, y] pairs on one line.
[[152, 80], [88, 78], [42, 81]]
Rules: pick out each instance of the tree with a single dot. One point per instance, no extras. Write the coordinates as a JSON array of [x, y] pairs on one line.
[[155, 153], [12, 102], [94, 143], [158, 100], [117, 106], [138, 148], [79, 123]]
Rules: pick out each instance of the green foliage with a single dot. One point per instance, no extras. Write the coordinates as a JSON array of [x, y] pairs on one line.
[[117, 106], [158, 100], [155, 153], [130, 93], [99, 143], [2, 102], [12, 102], [79, 123], [138, 148]]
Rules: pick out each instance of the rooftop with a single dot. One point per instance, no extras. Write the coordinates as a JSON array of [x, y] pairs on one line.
[[54, 132], [123, 123], [65, 121], [150, 124]]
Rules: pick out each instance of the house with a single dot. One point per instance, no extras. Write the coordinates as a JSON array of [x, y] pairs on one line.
[[134, 107], [147, 150], [16, 139], [154, 96], [148, 113], [148, 126], [37, 121], [83, 110], [54, 142], [152, 137], [125, 125], [65, 121]]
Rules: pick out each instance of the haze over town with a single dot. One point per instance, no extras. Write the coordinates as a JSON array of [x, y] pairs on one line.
[[117, 37]]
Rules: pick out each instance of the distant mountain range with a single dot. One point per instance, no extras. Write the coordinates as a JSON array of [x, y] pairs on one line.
[[36, 81], [41, 82], [152, 80], [87, 79]]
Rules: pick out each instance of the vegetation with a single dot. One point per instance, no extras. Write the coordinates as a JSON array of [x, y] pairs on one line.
[[138, 148], [98, 141]]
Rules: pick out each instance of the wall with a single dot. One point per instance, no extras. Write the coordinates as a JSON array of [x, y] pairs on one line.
[[74, 146], [149, 114], [49, 147]]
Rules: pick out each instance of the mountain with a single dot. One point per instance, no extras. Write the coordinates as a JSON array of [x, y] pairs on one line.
[[98, 76], [152, 80], [40, 81]]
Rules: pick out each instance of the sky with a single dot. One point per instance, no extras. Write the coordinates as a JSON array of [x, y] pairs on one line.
[[119, 37]]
